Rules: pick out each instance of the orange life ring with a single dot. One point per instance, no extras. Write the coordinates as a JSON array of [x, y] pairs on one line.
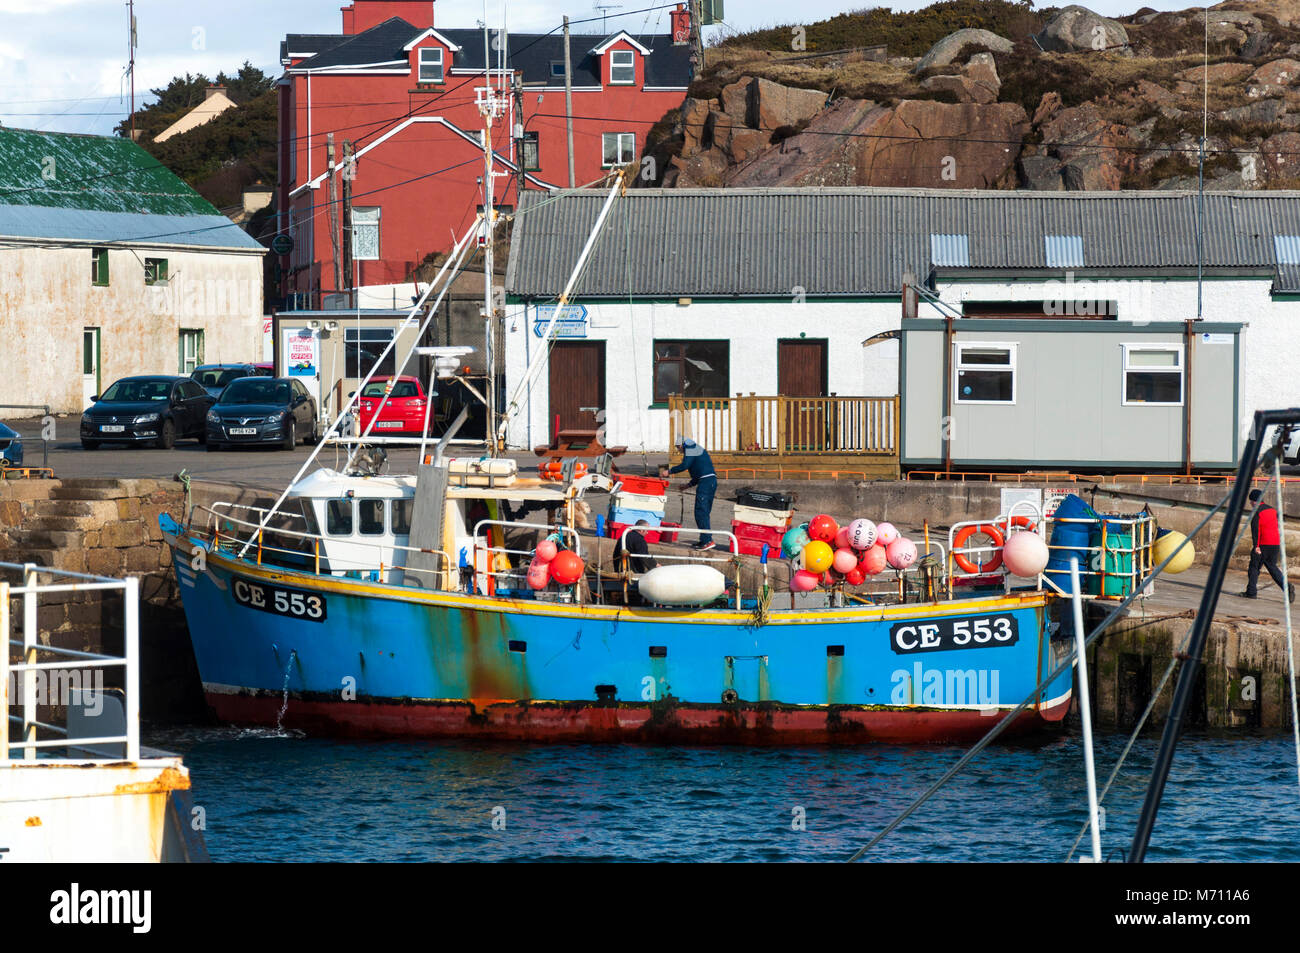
[[1024, 521], [989, 530]]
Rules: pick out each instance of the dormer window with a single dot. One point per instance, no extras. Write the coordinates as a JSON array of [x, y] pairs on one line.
[[622, 67], [430, 70]]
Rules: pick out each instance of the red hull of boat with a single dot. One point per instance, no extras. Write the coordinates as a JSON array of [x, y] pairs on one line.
[[659, 723]]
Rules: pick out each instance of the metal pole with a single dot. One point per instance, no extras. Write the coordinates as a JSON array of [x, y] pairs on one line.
[[334, 211], [1085, 711], [568, 101], [133, 687], [29, 658], [4, 672]]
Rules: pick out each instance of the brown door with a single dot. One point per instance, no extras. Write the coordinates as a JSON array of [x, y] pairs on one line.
[[577, 381], [801, 372]]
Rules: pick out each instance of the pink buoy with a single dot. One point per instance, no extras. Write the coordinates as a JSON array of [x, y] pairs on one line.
[[1025, 554], [844, 560], [842, 538], [873, 560], [546, 550], [803, 581], [901, 552], [862, 534], [886, 533], [539, 573]]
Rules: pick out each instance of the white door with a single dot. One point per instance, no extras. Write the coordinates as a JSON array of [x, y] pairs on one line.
[[89, 365]]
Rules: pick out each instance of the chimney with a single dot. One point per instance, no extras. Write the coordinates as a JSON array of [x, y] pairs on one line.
[[681, 25], [360, 15], [212, 91]]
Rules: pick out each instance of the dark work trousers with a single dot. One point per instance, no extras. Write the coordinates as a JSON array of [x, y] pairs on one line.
[[1267, 557], [704, 492]]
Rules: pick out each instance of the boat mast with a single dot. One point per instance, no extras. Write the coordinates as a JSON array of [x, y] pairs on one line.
[[490, 106]]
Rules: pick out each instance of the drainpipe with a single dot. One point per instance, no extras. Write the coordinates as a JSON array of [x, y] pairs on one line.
[[946, 423], [1187, 398]]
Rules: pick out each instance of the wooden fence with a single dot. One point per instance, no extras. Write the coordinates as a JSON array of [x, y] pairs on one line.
[[801, 427]]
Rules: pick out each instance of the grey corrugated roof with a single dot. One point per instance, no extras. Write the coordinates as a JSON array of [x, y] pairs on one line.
[[860, 241], [33, 223]]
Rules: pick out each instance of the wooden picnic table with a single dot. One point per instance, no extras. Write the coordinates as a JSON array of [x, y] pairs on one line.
[[577, 443]]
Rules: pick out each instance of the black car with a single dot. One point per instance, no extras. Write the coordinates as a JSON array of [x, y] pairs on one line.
[[155, 409], [255, 410], [213, 378]]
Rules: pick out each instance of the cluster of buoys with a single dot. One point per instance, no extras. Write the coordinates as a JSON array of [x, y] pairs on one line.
[[552, 564], [824, 553], [554, 470]]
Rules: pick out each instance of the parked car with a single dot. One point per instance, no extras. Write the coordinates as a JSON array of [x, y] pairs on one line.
[[402, 413], [154, 408], [260, 410], [11, 447], [265, 369], [213, 378]]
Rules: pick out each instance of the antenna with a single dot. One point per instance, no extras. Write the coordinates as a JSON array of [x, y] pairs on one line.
[[604, 9], [131, 44], [1200, 167]]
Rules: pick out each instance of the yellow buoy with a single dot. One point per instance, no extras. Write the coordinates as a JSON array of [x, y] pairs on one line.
[[1166, 544]]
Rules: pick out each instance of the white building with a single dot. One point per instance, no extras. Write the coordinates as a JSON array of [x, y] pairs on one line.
[[716, 293], [109, 266]]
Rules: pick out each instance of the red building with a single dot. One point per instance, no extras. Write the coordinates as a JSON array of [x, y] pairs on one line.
[[399, 94]]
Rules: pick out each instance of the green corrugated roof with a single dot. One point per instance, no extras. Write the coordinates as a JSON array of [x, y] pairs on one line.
[[90, 173]]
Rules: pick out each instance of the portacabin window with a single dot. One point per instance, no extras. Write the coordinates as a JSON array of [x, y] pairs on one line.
[[1153, 374], [617, 148], [365, 234], [430, 69], [691, 369], [985, 373], [622, 67], [99, 266], [361, 349]]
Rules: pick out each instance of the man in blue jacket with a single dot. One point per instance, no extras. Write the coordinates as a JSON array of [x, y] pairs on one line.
[[696, 461]]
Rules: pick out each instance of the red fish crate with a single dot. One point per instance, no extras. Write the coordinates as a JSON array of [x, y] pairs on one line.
[[651, 535], [645, 486], [750, 538]]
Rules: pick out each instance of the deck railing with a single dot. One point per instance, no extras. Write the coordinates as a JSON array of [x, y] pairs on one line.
[[787, 425]]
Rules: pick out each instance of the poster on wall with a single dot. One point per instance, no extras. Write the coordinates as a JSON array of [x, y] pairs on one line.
[[268, 339], [301, 357]]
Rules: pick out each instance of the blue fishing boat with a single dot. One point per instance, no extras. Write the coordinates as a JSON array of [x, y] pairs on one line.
[[331, 631]]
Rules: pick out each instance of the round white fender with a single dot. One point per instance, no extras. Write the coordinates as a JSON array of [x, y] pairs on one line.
[[686, 585]]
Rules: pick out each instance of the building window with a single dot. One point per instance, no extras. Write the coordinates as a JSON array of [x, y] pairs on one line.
[[529, 156], [99, 266], [155, 271], [191, 350], [431, 65], [691, 369], [986, 374], [557, 69], [365, 234], [617, 148], [362, 347], [1153, 374], [622, 69]]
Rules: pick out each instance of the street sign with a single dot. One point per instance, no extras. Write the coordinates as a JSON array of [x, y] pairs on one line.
[[569, 323]]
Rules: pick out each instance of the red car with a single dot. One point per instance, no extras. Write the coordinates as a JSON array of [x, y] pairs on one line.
[[402, 413]]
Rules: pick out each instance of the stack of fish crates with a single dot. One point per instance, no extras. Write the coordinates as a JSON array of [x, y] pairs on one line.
[[761, 518], [641, 498]]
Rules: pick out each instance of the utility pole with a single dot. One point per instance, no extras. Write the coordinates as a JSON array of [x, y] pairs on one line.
[[697, 36], [130, 54], [568, 100], [349, 236], [519, 139], [334, 211]]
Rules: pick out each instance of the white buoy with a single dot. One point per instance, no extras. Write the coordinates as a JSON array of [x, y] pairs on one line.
[[688, 585]]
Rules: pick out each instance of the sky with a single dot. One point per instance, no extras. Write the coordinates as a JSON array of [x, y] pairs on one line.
[[63, 62]]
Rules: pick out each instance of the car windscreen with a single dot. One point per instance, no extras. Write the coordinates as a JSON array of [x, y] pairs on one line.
[[134, 391], [255, 391]]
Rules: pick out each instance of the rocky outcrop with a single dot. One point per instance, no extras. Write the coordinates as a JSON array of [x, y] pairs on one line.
[[1084, 152], [1218, 74], [770, 105], [977, 82], [1273, 79], [1281, 155], [916, 144], [1076, 28], [948, 49]]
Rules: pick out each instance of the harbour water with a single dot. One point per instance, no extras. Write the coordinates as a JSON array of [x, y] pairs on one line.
[[269, 797]]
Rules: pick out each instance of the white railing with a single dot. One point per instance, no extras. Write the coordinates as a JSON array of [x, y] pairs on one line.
[[28, 741]]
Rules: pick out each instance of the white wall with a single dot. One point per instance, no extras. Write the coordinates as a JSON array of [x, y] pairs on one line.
[[753, 327], [47, 297]]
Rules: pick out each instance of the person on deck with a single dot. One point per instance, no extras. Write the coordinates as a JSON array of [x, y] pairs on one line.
[[1266, 539], [633, 543], [696, 461]]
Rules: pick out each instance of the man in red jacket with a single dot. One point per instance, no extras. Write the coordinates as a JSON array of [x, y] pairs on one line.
[[1266, 537]]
